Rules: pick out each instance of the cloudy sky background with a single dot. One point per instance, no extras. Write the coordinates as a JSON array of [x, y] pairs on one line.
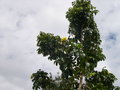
[[22, 20]]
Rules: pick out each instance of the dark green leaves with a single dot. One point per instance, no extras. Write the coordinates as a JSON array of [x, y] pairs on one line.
[[41, 79], [101, 80], [80, 17], [48, 44]]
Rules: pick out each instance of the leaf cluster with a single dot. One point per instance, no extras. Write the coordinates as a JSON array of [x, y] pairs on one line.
[[101, 80], [41, 79]]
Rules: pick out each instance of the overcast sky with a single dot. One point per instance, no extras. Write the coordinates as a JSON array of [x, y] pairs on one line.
[[22, 20]]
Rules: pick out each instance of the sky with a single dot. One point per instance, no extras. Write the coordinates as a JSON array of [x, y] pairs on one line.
[[22, 20]]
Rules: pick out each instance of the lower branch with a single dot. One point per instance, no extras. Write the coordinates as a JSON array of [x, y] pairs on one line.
[[88, 87]]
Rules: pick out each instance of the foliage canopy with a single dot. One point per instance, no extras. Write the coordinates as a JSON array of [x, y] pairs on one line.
[[77, 55]]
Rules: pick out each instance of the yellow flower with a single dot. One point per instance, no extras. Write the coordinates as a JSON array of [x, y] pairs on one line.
[[64, 39]]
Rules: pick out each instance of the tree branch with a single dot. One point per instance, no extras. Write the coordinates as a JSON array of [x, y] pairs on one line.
[[81, 81]]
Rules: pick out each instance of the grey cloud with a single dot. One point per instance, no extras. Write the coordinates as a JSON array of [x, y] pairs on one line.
[[6, 85], [112, 36]]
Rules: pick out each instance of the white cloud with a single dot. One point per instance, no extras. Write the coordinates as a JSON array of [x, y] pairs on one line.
[[108, 23]]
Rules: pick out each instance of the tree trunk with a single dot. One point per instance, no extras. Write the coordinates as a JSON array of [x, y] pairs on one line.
[[81, 82]]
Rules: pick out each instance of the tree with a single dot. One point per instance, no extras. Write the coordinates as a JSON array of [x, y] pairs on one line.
[[77, 55]]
